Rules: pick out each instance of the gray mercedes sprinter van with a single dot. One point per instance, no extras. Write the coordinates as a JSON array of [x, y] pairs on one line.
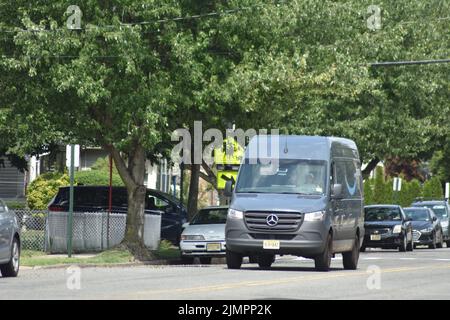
[[304, 198]]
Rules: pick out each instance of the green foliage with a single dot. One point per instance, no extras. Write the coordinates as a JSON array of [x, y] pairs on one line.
[[96, 178], [368, 192], [381, 191], [388, 195], [432, 189], [378, 186], [44, 188], [16, 205], [439, 164]]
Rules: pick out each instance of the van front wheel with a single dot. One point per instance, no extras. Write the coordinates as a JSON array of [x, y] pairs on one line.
[[323, 261], [234, 260], [350, 259]]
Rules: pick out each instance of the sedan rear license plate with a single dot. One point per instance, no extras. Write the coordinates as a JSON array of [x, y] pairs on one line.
[[213, 247], [375, 237], [271, 244]]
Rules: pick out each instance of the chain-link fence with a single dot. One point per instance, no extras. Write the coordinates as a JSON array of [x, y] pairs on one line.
[[32, 228], [92, 231]]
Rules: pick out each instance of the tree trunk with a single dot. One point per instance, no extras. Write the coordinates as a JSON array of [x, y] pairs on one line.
[[193, 191], [370, 166], [133, 178]]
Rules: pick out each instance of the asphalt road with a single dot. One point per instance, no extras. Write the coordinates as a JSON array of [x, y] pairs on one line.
[[382, 274]]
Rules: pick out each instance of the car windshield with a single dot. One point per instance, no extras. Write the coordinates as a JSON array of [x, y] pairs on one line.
[[382, 214], [210, 216], [283, 176], [417, 214], [439, 211]]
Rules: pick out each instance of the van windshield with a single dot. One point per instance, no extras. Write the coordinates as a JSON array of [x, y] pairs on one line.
[[294, 176]]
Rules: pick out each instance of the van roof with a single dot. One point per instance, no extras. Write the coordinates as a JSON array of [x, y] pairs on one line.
[[302, 147]]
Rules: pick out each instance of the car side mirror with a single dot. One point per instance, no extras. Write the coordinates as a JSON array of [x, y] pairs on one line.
[[185, 225], [434, 218], [336, 190], [228, 188]]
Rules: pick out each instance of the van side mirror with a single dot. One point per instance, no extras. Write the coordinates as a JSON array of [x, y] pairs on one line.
[[228, 188], [336, 190], [434, 218]]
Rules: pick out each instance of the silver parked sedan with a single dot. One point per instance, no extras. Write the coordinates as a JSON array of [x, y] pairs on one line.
[[9, 242], [204, 236]]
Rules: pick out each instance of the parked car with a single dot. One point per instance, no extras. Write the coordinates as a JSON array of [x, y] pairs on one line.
[[387, 227], [204, 236], [9, 242], [307, 201], [96, 199], [441, 209], [427, 229]]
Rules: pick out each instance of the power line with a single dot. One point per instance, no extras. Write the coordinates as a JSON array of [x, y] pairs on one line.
[[156, 21]]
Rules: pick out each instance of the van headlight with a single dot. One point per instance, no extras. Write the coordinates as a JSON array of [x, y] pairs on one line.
[[397, 228], [315, 216], [235, 214]]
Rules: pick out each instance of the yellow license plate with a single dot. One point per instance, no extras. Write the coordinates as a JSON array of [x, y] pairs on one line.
[[213, 247], [271, 244], [375, 237]]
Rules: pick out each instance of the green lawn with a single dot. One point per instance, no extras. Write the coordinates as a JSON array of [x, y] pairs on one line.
[[31, 258]]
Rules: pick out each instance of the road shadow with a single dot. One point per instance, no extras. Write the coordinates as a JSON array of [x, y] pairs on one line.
[[290, 268]]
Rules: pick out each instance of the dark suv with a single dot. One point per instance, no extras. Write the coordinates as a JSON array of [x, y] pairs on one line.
[[96, 199]]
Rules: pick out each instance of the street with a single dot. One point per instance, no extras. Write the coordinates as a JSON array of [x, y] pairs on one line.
[[422, 274]]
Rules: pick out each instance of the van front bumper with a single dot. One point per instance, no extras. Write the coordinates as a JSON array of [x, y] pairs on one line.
[[308, 240], [304, 248]]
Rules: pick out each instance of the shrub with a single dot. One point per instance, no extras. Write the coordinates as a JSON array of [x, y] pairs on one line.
[[97, 178], [368, 192], [378, 186], [15, 205], [415, 190], [432, 189], [41, 191]]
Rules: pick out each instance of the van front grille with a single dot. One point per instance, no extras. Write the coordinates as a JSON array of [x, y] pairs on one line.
[[271, 236], [287, 221]]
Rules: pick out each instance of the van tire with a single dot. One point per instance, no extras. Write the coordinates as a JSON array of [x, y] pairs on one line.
[[265, 261], [234, 260], [323, 261], [11, 269], [350, 259]]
